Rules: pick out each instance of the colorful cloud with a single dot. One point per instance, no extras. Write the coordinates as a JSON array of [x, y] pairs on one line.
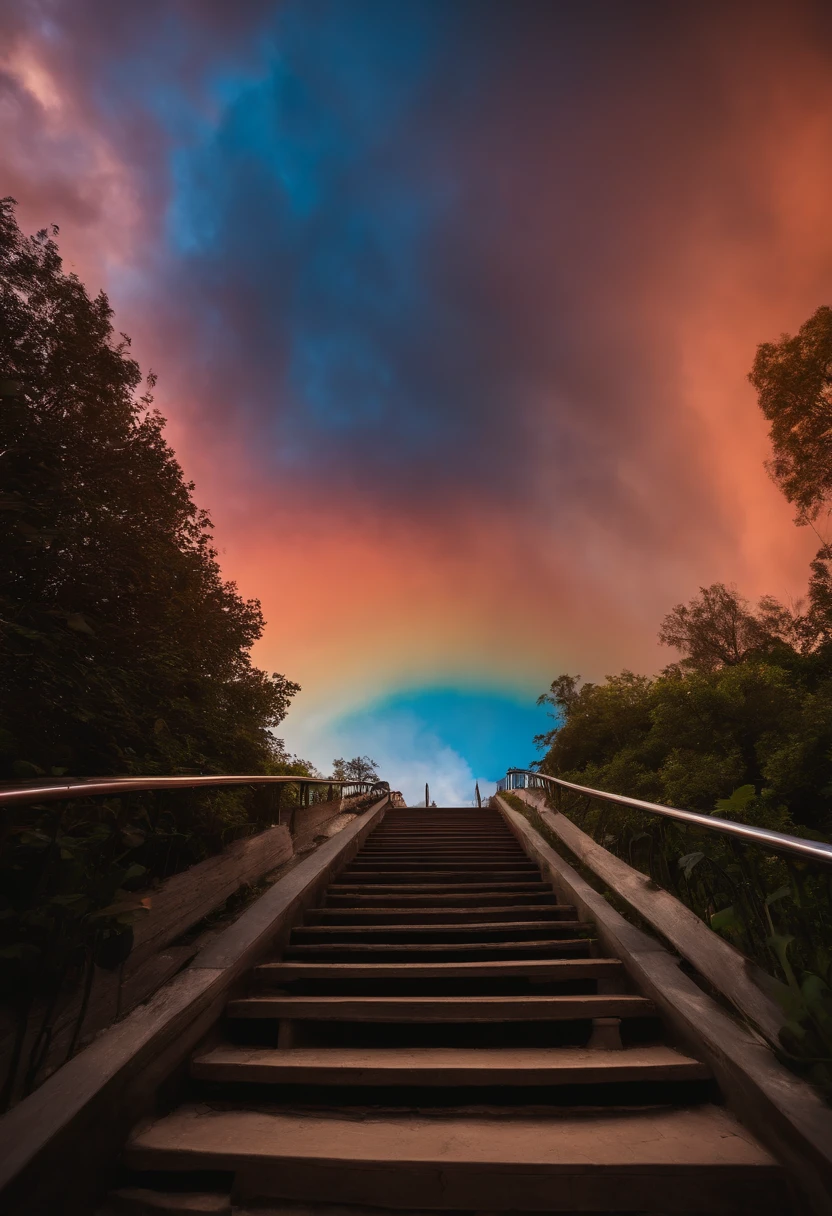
[[452, 307]]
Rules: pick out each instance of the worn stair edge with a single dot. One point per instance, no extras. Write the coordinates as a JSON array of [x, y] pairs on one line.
[[332, 933], [439, 1066], [379, 917], [784, 1112], [559, 969], [693, 1158], [517, 948], [56, 1140], [368, 891]]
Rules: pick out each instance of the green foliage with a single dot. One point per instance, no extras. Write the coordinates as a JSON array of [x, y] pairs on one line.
[[793, 378], [740, 728], [122, 649], [695, 733], [360, 768]]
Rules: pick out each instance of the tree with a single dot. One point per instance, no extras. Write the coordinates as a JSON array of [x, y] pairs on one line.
[[122, 648], [718, 629], [793, 378], [562, 697], [360, 768]]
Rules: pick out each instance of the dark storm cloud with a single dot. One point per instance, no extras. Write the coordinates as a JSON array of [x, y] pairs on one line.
[[425, 238]]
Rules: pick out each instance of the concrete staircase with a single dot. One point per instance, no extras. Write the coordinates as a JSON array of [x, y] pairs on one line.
[[441, 1036]]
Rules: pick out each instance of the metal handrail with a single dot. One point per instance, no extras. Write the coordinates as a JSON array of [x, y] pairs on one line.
[[99, 786], [780, 842]]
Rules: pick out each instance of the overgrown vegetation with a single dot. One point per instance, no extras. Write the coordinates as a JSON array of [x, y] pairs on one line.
[[360, 768], [122, 648], [740, 725]]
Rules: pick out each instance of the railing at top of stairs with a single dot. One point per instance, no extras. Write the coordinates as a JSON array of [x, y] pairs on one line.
[[796, 847], [100, 787]]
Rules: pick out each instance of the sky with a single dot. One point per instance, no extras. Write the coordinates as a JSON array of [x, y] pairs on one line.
[[452, 304]]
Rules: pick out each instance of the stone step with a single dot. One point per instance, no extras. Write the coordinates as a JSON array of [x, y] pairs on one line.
[[551, 948], [449, 915], [557, 970], [442, 1008], [440, 1066], [654, 1160], [516, 930]]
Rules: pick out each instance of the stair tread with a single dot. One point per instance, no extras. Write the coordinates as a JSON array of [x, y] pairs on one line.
[[536, 968], [574, 1141], [498, 914], [443, 1008], [447, 1065], [564, 943], [439, 888], [450, 927]]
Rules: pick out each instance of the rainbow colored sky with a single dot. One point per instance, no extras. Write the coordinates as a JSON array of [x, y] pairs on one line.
[[452, 305]]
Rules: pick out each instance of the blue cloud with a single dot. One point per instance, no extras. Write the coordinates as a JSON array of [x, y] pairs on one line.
[[489, 728]]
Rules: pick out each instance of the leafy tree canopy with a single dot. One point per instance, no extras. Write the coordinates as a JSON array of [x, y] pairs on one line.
[[793, 378], [123, 649], [748, 705], [360, 768]]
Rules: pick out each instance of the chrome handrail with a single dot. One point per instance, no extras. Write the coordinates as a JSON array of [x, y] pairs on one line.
[[99, 786], [780, 842]]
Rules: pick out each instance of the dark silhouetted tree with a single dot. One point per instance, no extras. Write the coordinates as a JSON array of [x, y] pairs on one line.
[[793, 379], [123, 649], [360, 768]]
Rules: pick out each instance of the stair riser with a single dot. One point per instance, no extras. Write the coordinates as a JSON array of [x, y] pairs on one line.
[[439, 1078], [420, 890], [540, 971], [395, 916], [486, 951], [443, 1009], [436, 903], [457, 865], [429, 877], [549, 931]]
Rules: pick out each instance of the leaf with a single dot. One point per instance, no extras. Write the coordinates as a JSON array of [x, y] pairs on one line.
[[79, 623], [737, 803], [727, 921], [780, 893], [134, 871], [815, 993], [25, 768], [791, 1030], [133, 837], [34, 838], [689, 862], [780, 943], [68, 901]]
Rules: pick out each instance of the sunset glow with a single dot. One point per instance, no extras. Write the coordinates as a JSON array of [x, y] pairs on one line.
[[452, 308]]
